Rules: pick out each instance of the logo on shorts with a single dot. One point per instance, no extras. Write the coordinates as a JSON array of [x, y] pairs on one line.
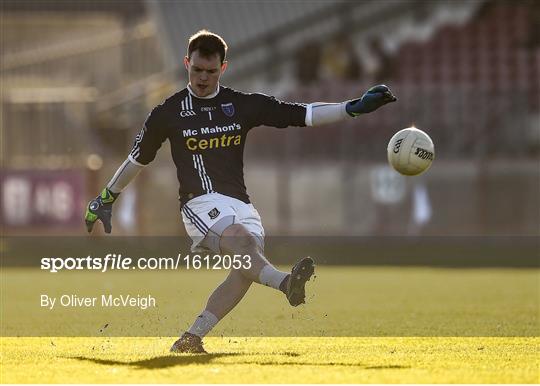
[[213, 213], [228, 109]]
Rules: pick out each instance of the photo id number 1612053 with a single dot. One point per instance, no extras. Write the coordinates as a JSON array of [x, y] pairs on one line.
[[217, 261]]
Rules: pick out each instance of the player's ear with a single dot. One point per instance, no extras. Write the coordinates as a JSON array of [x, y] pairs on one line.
[[223, 66], [186, 62]]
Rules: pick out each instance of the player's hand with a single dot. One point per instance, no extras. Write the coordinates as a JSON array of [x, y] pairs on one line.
[[100, 208], [374, 98]]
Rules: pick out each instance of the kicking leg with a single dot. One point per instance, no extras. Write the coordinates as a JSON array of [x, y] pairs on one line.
[[236, 239]]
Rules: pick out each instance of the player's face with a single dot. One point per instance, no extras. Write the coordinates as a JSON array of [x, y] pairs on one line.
[[204, 73]]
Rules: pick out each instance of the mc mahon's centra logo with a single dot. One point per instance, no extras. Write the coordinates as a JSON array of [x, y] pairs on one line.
[[228, 109]]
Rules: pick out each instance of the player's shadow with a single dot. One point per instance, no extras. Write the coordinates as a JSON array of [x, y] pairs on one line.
[[386, 367], [329, 364], [166, 361], [160, 362]]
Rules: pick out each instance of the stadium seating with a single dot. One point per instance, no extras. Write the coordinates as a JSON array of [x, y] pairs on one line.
[[469, 86]]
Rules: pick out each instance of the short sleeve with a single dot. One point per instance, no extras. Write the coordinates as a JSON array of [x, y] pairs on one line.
[[150, 138], [269, 111]]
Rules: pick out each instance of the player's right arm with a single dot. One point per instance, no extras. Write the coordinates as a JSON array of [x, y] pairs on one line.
[[144, 150], [100, 208]]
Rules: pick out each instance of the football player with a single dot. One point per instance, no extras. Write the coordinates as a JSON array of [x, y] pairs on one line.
[[207, 125]]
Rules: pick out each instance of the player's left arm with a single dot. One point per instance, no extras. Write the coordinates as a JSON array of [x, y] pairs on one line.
[[320, 113], [266, 110]]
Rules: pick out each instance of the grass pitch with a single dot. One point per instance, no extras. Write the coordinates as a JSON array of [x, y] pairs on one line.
[[272, 360], [361, 325]]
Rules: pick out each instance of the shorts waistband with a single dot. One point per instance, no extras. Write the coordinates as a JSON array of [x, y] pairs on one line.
[[185, 198]]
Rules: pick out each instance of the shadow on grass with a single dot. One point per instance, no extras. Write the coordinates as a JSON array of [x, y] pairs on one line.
[[160, 362], [284, 353], [387, 367], [345, 364], [166, 361]]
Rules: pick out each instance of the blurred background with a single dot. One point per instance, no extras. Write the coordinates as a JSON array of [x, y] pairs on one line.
[[78, 79]]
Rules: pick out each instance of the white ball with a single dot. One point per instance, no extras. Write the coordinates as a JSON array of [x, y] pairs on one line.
[[410, 151]]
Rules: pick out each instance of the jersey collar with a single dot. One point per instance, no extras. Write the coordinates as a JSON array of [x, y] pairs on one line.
[[206, 97]]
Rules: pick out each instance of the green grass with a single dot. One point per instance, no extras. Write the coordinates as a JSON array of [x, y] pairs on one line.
[[272, 360], [360, 324]]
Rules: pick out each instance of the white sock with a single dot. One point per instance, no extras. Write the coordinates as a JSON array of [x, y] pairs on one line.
[[203, 324], [271, 277]]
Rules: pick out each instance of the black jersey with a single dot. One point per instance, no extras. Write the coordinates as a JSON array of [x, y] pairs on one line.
[[207, 137]]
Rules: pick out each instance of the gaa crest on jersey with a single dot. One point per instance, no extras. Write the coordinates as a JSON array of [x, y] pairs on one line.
[[228, 109], [213, 213], [187, 107]]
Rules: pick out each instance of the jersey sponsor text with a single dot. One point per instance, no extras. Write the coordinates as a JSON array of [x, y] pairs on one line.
[[194, 144]]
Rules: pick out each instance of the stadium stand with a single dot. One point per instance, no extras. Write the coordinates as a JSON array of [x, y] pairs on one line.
[[457, 85], [79, 78]]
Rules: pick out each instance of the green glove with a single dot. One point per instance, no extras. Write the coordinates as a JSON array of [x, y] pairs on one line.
[[100, 208], [374, 98]]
